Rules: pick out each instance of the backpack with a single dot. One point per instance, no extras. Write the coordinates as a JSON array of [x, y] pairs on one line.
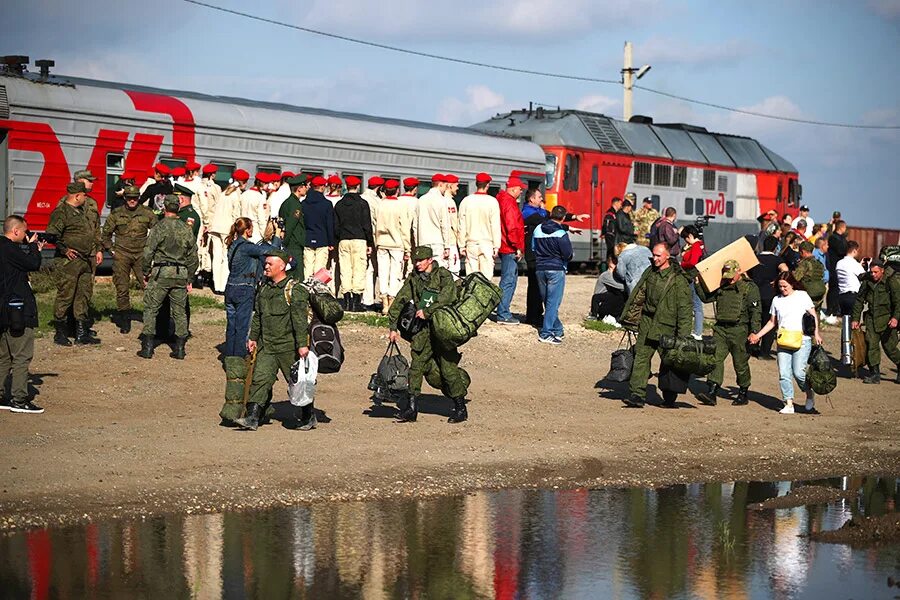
[[325, 306], [455, 325], [654, 232], [820, 375], [392, 376], [325, 341], [609, 224], [687, 355]]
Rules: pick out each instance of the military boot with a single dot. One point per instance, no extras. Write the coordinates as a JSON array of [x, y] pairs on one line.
[[346, 301], [178, 351], [898, 375], [634, 401], [61, 339], [357, 303], [741, 399], [669, 399], [410, 412], [459, 413], [709, 396], [83, 335], [250, 421], [124, 321], [874, 376], [146, 350], [308, 417]]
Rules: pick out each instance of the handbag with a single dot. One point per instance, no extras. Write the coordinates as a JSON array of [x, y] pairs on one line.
[[789, 340], [621, 362]]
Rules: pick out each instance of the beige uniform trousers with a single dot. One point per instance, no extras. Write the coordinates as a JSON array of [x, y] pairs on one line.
[[371, 282], [219, 260], [390, 270], [315, 259], [480, 257], [354, 262]]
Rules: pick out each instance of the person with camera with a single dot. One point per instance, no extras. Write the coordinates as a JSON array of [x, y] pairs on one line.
[[881, 294], [429, 288], [20, 254]]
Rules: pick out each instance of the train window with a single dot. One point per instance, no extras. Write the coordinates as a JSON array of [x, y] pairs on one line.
[[793, 196], [115, 163], [115, 166], [493, 190], [655, 199], [570, 175], [709, 179], [173, 162], [223, 173], [723, 183], [662, 175], [779, 193], [679, 177], [698, 206], [268, 169], [550, 170], [729, 209], [642, 173], [688, 206]]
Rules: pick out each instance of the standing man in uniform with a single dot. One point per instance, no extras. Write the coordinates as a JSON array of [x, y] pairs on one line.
[[881, 293], [155, 193], [186, 210], [255, 207], [393, 231], [373, 194], [410, 198], [811, 273], [333, 191], [278, 336], [643, 218], [209, 195], [87, 179], [291, 213], [512, 246], [737, 315], [450, 191], [318, 215], [660, 304], [432, 225], [170, 261], [353, 232], [479, 228], [430, 287], [129, 225], [78, 247]]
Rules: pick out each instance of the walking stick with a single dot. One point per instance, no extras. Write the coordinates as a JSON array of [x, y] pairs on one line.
[[248, 380]]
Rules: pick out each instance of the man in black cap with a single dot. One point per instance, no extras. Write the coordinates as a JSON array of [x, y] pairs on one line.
[[624, 225], [804, 216]]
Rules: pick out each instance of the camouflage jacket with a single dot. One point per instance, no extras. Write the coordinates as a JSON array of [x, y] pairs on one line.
[[643, 218], [429, 291], [130, 228], [78, 229], [171, 251], [736, 304], [811, 274], [883, 300], [660, 304], [279, 319]]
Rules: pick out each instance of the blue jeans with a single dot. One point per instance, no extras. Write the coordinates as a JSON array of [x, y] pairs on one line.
[[552, 284], [793, 363], [509, 276], [238, 310], [698, 311]]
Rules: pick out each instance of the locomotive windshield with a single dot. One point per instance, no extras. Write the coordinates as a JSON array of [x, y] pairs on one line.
[[550, 171]]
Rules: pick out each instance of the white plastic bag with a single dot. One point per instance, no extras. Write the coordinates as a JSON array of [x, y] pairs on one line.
[[303, 389]]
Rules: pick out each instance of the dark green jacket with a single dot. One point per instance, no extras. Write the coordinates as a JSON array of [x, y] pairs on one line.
[[291, 212], [130, 228], [77, 228], [883, 299], [660, 302], [811, 274], [279, 326], [736, 304], [437, 285], [192, 219], [171, 243]]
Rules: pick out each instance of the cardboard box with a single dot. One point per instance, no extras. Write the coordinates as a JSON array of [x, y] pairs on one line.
[[711, 268]]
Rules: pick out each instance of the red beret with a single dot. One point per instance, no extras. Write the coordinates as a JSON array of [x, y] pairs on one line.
[[240, 175], [450, 178], [391, 184], [515, 182], [287, 174], [352, 180], [210, 168], [263, 177], [319, 180], [438, 178], [334, 180], [375, 181], [192, 166], [161, 168], [482, 178], [178, 171], [410, 182]]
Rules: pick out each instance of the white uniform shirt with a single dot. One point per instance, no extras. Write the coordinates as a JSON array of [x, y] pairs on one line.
[[277, 198], [373, 200], [848, 272], [452, 211], [255, 206], [209, 195], [479, 220], [393, 225], [432, 224]]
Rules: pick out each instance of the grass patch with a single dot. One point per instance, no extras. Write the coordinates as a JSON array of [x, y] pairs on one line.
[[371, 320], [201, 302], [599, 326]]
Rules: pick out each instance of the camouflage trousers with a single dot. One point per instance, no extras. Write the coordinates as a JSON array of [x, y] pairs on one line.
[[438, 366], [266, 372], [156, 293], [74, 288], [124, 265], [887, 339], [731, 339]]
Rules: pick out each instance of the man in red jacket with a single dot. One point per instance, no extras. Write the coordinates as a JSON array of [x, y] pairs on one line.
[[512, 246]]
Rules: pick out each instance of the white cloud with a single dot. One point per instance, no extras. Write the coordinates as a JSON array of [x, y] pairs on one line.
[[666, 50], [480, 102], [599, 104]]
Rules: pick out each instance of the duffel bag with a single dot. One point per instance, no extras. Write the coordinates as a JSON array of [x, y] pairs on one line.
[[455, 325], [326, 307], [820, 375], [393, 370], [236, 369], [450, 328], [325, 341], [687, 355], [622, 361]]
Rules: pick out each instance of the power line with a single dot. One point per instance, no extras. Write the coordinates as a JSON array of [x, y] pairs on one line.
[[568, 77]]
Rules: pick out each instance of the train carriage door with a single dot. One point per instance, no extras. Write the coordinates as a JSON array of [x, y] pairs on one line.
[[115, 168], [7, 190]]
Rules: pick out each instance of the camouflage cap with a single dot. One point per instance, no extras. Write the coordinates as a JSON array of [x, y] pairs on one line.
[[631, 196], [730, 268], [132, 191], [76, 187], [806, 246], [171, 203], [279, 253], [182, 190], [83, 174], [421, 253]]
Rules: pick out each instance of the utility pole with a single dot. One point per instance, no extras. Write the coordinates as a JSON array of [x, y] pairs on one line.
[[629, 75]]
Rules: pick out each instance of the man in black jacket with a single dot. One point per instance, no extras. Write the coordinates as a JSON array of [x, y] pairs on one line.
[[18, 311], [609, 225], [624, 224], [837, 249], [353, 231]]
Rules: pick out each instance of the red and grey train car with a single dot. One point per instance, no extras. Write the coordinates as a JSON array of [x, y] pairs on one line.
[[52, 126], [592, 158]]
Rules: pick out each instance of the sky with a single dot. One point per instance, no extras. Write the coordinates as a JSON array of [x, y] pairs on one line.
[[826, 60]]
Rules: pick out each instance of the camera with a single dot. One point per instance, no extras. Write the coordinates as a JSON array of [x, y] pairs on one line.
[[47, 238], [701, 222]]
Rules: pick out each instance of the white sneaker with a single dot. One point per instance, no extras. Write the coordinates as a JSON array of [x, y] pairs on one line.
[[832, 320], [788, 408], [699, 338]]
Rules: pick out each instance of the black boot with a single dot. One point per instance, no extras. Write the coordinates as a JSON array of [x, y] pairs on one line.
[[874, 376], [348, 301], [741, 399], [459, 413], [83, 336], [124, 321], [250, 421], [308, 417], [178, 351], [709, 396], [61, 339], [410, 412], [634, 401], [357, 303], [147, 344], [669, 399]]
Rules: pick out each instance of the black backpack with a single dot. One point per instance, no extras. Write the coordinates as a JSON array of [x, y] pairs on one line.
[[325, 341], [654, 232]]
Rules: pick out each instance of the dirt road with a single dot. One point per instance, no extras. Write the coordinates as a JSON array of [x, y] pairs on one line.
[[124, 436]]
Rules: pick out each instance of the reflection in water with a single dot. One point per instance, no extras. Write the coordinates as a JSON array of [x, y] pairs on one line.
[[689, 541]]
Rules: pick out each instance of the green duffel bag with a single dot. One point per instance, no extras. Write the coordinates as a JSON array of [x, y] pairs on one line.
[[687, 355], [450, 328], [455, 325], [235, 376], [820, 375], [326, 307]]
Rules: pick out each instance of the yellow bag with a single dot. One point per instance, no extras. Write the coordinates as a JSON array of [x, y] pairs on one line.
[[789, 340]]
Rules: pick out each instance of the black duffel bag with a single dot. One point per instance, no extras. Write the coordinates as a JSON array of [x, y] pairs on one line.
[[622, 361]]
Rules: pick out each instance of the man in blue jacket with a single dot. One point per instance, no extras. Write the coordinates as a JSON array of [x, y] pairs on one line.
[[552, 253], [318, 213]]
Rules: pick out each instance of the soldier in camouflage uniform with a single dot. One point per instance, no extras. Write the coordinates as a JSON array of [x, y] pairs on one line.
[[170, 261], [738, 312], [660, 304], [430, 287], [129, 224], [643, 218], [278, 335], [87, 179], [811, 273], [881, 292], [78, 248]]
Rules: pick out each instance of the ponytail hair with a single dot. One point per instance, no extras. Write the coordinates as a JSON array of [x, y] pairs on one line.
[[240, 226]]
